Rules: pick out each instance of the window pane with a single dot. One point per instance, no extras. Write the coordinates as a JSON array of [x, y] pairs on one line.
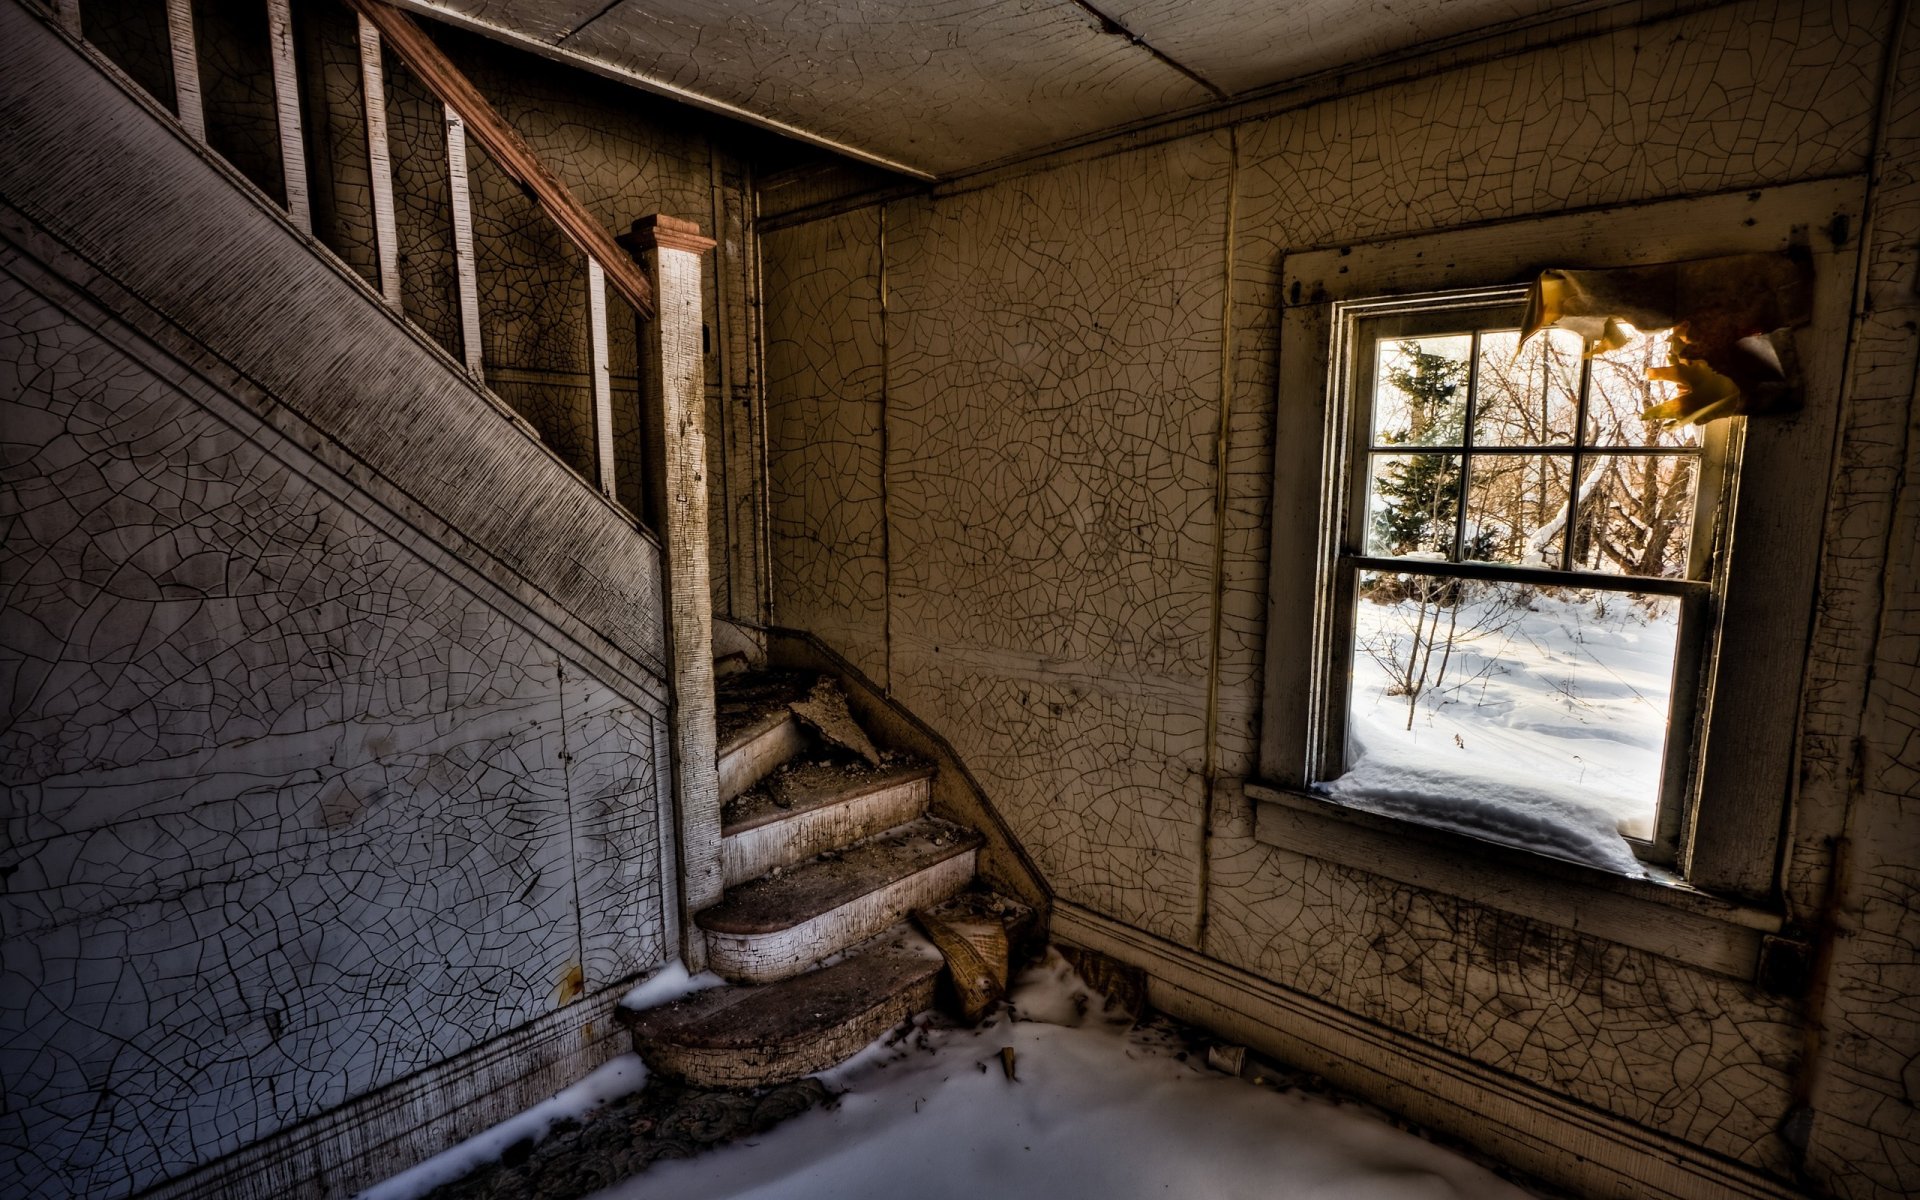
[[1531, 716], [1620, 391], [1412, 504], [1527, 395], [1516, 508], [1420, 391], [1636, 514]]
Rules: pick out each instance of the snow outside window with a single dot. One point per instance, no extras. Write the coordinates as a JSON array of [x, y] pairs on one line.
[[1521, 584]]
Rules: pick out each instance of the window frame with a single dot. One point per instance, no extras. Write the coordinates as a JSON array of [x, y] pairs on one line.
[[1351, 398], [1722, 892]]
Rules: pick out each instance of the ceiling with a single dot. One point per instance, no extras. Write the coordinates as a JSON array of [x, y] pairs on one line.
[[938, 87]]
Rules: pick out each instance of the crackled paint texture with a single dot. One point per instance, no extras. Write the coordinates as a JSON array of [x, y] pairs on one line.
[[824, 410], [979, 80], [410, 823], [624, 157], [322, 765], [1043, 397]]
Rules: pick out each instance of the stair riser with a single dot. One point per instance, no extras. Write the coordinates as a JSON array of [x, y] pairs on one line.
[[753, 852], [766, 957], [709, 1067], [753, 760]]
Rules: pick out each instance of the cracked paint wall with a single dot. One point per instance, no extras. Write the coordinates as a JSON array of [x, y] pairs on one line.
[[290, 814], [624, 155], [324, 763], [1000, 496]]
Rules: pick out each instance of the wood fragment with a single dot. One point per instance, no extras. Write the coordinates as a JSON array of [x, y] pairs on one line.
[[976, 952], [825, 712]]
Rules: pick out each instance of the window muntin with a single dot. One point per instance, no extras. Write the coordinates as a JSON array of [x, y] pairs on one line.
[[1500, 658]]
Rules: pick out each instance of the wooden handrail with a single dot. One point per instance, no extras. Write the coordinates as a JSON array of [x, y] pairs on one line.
[[451, 86]]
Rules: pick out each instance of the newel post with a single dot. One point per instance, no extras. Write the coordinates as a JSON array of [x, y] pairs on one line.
[[673, 404]]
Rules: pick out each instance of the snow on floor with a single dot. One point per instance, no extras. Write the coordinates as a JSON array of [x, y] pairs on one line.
[[619, 1076], [1097, 1111], [1549, 733]]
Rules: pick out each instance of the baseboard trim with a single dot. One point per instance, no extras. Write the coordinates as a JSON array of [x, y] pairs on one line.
[[349, 1148], [1537, 1131]]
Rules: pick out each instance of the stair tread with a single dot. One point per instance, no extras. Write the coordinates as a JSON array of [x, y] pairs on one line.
[[771, 1016], [775, 902], [750, 702], [804, 786]]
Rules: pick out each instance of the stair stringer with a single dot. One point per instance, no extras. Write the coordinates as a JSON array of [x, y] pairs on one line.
[[956, 794]]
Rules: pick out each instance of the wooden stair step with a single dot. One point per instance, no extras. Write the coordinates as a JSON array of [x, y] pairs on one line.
[[757, 1035], [754, 728], [780, 924], [805, 808]]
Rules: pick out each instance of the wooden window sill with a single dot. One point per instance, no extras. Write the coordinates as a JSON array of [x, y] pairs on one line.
[[1660, 914]]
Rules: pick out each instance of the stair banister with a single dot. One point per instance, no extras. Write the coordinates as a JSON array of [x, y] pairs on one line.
[[486, 126]]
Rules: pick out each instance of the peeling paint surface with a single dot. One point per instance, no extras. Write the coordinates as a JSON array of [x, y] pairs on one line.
[[624, 157], [323, 767], [944, 86], [1049, 514], [405, 818]]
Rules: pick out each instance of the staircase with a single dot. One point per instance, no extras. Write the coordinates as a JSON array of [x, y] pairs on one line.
[[827, 849]]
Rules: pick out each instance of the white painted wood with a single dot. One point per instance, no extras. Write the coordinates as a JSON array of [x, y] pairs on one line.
[[1745, 754], [751, 758], [751, 853], [386, 235], [393, 1128], [186, 68], [674, 404], [766, 957], [1673, 921], [460, 192], [286, 103], [1527, 1126], [602, 373]]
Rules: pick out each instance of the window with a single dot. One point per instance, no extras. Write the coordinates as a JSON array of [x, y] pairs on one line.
[[1509, 656], [1624, 657]]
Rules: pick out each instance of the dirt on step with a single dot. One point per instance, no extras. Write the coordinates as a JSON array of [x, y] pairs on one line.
[[805, 784]]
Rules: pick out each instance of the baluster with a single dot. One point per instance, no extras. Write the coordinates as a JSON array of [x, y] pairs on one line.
[[602, 375], [286, 102], [186, 68], [67, 12], [386, 236], [460, 189]]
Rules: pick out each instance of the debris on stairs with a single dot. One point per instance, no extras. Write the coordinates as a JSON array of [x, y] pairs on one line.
[[825, 712], [827, 849], [977, 950], [752, 1036]]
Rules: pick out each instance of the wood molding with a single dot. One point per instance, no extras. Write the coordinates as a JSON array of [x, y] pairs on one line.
[[1668, 919], [1533, 1129], [347, 1149], [485, 124], [666, 233]]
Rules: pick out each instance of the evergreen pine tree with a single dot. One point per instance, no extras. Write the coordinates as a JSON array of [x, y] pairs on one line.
[[1422, 491]]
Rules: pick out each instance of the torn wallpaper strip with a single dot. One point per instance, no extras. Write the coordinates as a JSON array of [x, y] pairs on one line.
[[1732, 319]]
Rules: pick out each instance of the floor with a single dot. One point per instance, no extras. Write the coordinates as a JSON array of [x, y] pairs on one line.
[[1053, 1096], [1092, 1106]]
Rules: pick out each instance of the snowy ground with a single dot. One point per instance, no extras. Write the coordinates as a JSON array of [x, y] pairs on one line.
[[1548, 733], [1096, 1109]]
